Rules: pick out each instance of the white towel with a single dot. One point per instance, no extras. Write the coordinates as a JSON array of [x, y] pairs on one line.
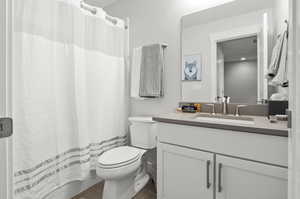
[[279, 96], [275, 59], [277, 73], [280, 78], [135, 72]]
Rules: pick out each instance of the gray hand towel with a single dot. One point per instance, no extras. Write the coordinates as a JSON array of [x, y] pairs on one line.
[[152, 69]]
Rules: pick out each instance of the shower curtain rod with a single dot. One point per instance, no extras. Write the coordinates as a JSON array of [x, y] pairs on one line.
[[93, 10]]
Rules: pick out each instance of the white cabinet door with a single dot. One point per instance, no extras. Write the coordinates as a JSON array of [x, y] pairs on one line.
[[184, 173], [242, 179]]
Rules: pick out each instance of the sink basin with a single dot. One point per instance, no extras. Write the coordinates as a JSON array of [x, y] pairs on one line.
[[225, 119]]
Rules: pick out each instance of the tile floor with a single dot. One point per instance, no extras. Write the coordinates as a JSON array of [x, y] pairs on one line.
[[95, 192]]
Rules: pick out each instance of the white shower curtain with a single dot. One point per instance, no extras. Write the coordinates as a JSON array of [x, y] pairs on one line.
[[69, 94]]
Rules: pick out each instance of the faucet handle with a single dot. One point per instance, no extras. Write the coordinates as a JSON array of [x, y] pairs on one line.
[[226, 99], [238, 107], [218, 99]]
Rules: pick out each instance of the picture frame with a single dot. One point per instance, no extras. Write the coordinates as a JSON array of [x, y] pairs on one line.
[[192, 67]]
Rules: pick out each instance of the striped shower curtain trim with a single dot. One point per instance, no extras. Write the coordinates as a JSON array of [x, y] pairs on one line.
[[81, 156], [32, 176]]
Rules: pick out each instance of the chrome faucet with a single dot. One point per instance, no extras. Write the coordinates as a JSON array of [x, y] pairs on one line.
[[237, 109], [213, 105], [213, 112], [225, 102]]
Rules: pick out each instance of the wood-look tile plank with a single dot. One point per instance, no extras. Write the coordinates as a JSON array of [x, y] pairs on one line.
[[95, 192]]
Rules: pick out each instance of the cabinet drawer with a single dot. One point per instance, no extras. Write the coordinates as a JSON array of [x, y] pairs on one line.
[[262, 148]]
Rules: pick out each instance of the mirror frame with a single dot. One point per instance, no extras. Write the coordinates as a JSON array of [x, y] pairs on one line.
[[263, 45]]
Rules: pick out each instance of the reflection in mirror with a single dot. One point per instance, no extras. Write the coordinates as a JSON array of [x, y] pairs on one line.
[[235, 43], [237, 68]]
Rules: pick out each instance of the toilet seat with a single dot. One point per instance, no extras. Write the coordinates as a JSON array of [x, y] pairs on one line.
[[119, 157]]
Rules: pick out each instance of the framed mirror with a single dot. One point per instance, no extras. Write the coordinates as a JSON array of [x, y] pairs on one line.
[[235, 42]]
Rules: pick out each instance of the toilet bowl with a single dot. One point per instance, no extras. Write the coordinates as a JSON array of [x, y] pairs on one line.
[[121, 167]]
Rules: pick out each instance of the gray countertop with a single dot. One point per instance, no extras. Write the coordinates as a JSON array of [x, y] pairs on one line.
[[261, 124]]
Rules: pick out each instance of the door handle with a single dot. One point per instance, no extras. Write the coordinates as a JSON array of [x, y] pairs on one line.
[[289, 114], [220, 177], [208, 184], [6, 127]]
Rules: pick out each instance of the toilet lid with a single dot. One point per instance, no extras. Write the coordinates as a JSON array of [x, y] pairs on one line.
[[119, 156]]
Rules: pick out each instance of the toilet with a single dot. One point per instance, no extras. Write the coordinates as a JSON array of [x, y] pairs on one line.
[[121, 167]]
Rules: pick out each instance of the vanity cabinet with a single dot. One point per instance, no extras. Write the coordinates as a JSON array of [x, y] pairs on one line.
[[196, 162], [193, 174]]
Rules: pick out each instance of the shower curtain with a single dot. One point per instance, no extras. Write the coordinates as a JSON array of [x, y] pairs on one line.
[[69, 93]]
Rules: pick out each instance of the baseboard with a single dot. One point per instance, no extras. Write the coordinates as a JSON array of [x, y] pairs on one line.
[[72, 189]]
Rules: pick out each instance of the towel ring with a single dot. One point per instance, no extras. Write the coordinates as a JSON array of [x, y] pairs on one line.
[[287, 27]]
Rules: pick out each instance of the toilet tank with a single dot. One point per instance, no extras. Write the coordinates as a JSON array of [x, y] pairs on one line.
[[142, 132]]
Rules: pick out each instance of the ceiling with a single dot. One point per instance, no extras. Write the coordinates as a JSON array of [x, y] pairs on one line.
[[100, 3], [234, 50], [229, 9]]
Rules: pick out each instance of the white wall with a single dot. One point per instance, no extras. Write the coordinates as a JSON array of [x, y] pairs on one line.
[[2, 55], [3, 168], [196, 39], [5, 144], [153, 21], [282, 13]]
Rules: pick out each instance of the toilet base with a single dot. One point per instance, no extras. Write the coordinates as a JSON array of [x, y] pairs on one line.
[[119, 189], [125, 188]]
